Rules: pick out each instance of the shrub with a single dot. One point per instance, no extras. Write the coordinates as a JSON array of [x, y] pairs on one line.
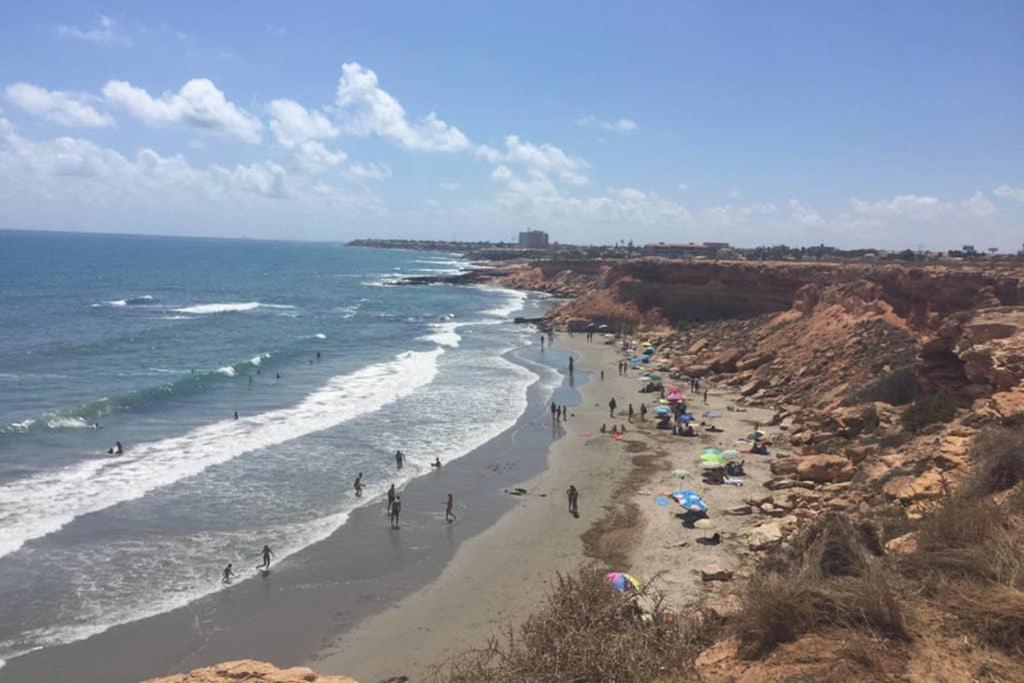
[[998, 457], [829, 578], [586, 631], [897, 388], [929, 409]]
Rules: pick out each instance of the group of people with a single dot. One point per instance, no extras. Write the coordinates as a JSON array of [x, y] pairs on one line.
[[623, 367], [265, 555], [621, 429], [643, 412], [559, 413]]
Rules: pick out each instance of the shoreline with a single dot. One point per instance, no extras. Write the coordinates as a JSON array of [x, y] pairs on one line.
[[499, 577], [329, 586]]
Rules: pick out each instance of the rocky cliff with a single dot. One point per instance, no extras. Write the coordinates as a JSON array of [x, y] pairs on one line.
[[250, 671]]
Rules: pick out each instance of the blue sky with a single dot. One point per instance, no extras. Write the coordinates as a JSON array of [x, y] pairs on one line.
[[852, 124]]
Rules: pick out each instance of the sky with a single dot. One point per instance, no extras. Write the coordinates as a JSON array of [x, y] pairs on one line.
[[851, 124]]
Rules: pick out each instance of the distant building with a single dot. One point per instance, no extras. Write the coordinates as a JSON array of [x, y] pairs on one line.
[[533, 239], [688, 249]]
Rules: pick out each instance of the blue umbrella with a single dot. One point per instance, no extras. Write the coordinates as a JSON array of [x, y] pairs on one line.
[[637, 359], [684, 417], [648, 351], [662, 410], [712, 413]]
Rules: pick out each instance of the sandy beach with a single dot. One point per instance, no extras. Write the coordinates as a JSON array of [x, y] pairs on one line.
[[498, 577]]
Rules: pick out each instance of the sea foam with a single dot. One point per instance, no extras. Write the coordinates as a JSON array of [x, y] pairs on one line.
[[206, 309], [39, 505]]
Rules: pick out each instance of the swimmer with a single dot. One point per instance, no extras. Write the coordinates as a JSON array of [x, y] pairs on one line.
[[266, 554], [436, 463], [118, 448], [236, 414]]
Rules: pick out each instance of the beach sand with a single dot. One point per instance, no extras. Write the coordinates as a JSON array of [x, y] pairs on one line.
[[501, 575]]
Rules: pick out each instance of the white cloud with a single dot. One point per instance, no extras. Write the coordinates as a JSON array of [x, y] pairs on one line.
[[291, 123], [1007, 192], [619, 126], [804, 215], [367, 171], [198, 103], [545, 158], [980, 205], [366, 108], [75, 183], [65, 108], [734, 193], [910, 206], [449, 186], [683, 187], [312, 157], [106, 32]]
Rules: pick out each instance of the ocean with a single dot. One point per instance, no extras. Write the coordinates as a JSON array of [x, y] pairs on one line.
[[156, 342]]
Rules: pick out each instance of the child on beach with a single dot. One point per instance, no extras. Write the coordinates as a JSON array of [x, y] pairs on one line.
[[228, 574]]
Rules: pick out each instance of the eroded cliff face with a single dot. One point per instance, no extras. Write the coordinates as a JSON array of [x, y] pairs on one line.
[[251, 671], [675, 292]]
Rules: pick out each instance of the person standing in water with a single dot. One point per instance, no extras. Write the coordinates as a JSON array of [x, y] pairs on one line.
[[554, 411], [391, 498], [396, 510], [570, 364], [236, 414], [266, 554], [227, 574], [359, 485], [399, 458], [449, 516], [118, 448], [542, 342]]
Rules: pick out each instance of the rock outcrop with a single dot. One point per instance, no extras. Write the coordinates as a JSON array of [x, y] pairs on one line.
[[250, 671]]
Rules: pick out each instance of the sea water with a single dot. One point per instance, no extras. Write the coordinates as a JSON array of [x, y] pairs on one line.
[[156, 342]]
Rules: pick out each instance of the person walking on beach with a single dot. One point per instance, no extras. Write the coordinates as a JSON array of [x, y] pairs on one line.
[[705, 397], [630, 419], [449, 516], [643, 412], [542, 342], [602, 375], [227, 574], [611, 408], [266, 554], [573, 495], [396, 510], [565, 413], [391, 498], [358, 485], [554, 411], [399, 458], [570, 365]]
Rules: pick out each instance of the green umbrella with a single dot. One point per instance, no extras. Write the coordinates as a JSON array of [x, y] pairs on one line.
[[712, 457], [713, 451]]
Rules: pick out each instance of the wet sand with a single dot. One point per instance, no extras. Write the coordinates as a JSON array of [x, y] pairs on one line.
[[501, 575]]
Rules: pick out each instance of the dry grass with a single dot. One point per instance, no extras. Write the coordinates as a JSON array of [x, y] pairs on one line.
[[587, 631], [830, 578], [970, 552], [998, 456]]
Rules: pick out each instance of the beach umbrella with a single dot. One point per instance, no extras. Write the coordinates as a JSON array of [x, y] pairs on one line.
[[621, 582], [713, 451], [712, 413], [645, 359], [655, 376], [712, 457], [647, 343], [732, 454], [757, 434], [649, 351], [645, 378], [636, 359], [674, 396], [684, 417], [662, 410]]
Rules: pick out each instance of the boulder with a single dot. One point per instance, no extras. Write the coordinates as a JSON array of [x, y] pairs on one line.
[[737, 510], [781, 466], [726, 360], [824, 468], [909, 489], [753, 360], [764, 536], [715, 572], [902, 545], [697, 370]]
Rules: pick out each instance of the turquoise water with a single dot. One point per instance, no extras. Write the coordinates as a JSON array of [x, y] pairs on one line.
[[156, 342]]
